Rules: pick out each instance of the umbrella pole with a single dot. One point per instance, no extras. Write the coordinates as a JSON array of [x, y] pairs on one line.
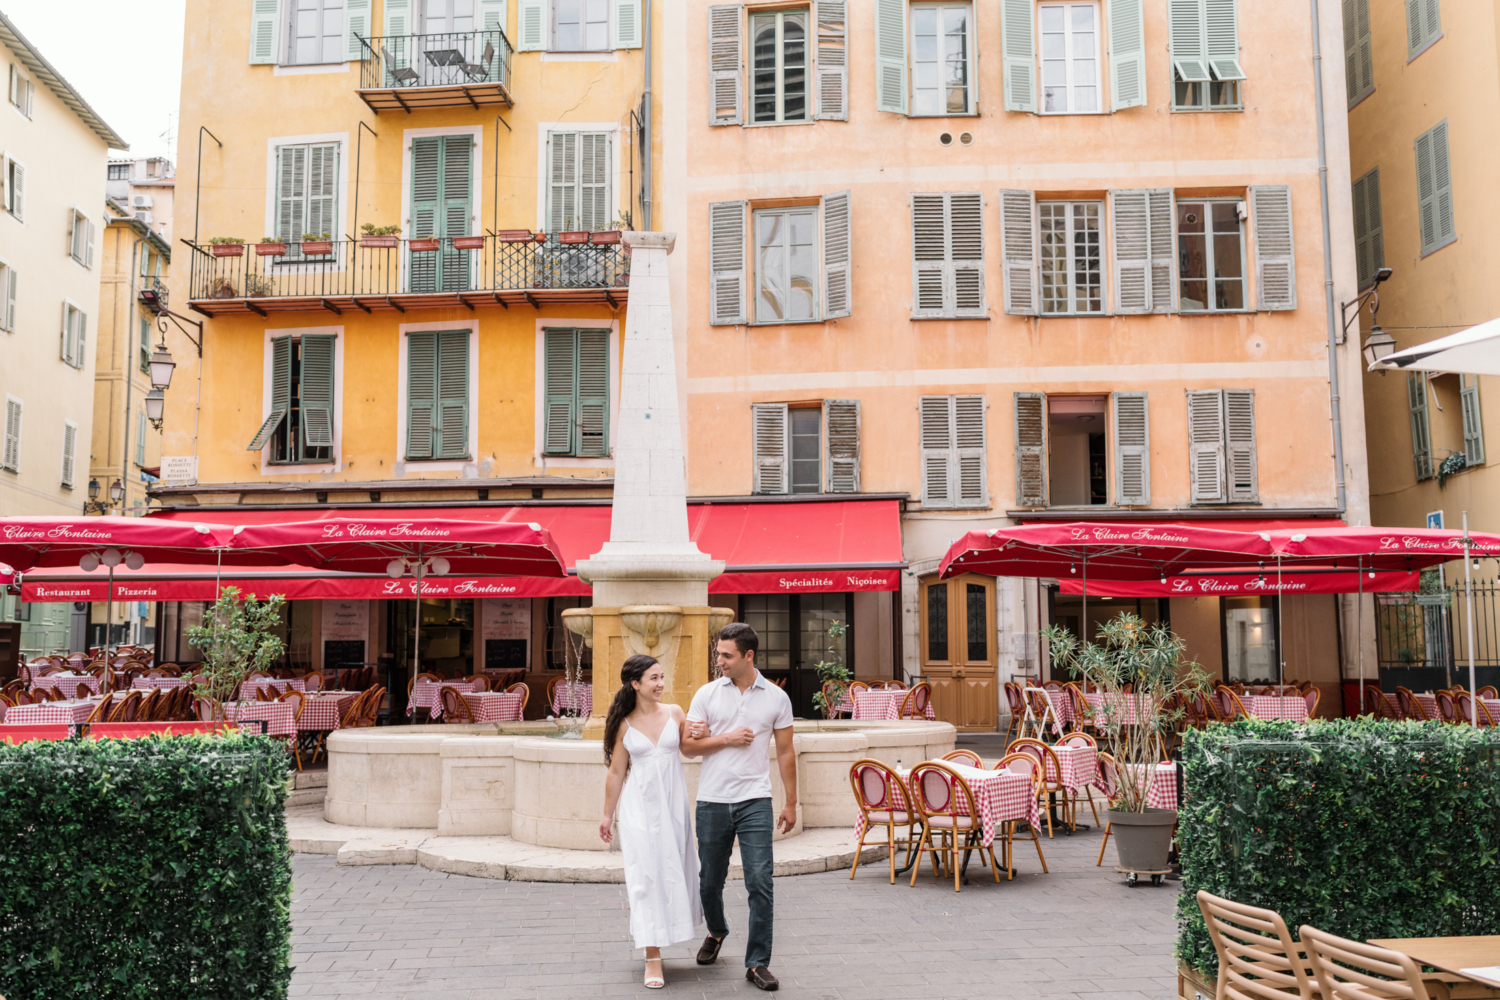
[[1469, 619], [416, 659], [1359, 632], [1280, 647], [109, 612], [1083, 620]]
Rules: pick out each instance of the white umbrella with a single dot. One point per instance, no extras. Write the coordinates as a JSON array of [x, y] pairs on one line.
[[1475, 351]]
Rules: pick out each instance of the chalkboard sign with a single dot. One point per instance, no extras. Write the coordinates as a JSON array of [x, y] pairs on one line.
[[337, 652], [505, 654]]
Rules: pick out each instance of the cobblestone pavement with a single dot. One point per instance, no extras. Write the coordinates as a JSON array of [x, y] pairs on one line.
[[388, 932]]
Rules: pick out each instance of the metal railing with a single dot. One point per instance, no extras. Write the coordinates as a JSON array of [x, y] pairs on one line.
[[516, 261], [452, 59], [1422, 639]]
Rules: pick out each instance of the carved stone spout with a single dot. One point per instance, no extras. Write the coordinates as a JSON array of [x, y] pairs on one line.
[[649, 622], [580, 621]]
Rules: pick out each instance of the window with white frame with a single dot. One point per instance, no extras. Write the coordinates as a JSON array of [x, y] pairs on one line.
[[10, 450], [1210, 255], [559, 25], [441, 17], [15, 189], [315, 32], [779, 79], [806, 448], [580, 25], [307, 193], [942, 59], [1072, 258], [7, 297], [22, 90], [299, 428], [579, 165], [1205, 48], [786, 264], [1069, 50], [801, 261], [81, 237], [74, 334]]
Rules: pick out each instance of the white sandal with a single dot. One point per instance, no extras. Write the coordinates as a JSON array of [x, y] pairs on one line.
[[654, 982]]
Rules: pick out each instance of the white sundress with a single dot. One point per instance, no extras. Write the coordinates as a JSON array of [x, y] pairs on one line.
[[655, 824]]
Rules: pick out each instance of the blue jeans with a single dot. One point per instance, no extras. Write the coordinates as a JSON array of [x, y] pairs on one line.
[[718, 824]]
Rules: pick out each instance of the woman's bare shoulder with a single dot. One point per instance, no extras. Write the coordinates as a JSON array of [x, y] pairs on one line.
[[677, 713]]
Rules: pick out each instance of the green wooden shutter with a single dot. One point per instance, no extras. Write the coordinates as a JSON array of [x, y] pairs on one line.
[[1018, 239], [1468, 397], [356, 26], [593, 392], [1359, 69], [1031, 449], [1421, 432], [453, 394], [1206, 445], [726, 262], [265, 30], [625, 24], [726, 64], [841, 423], [1434, 188], [457, 206], [291, 193], [1369, 239], [397, 17], [316, 396], [1239, 445], [1018, 37], [531, 25], [560, 378], [1132, 449], [1186, 32], [281, 392], [832, 64], [1423, 26], [890, 56], [1127, 55], [421, 393], [322, 185], [140, 437], [426, 188], [1275, 253], [1222, 36]]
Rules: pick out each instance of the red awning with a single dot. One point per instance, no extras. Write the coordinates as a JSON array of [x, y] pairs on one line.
[[769, 548], [1238, 582]]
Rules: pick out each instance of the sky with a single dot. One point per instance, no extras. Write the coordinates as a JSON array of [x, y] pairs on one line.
[[128, 67]]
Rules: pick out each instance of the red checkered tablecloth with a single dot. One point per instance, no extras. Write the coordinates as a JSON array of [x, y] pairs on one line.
[[1494, 706], [425, 694], [278, 686], [147, 683], [883, 705], [278, 715], [68, 684], [1000, 795], [1163, 791], [494, 706], [1080, 767], [579, 698], [325, 710], [54, 712], [1122, 710], [1270, 707]]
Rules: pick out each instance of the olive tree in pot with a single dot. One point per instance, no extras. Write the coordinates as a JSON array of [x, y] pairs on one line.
[[1143, 676], [240, 636]]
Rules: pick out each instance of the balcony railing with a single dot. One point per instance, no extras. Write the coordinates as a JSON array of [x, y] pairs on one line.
[[512, 267], [451, 70]]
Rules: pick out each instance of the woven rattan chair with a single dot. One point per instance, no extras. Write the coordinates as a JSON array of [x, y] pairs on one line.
[[968, 757], [1017, 709], [370, 715], [1230, 705], [455, 705], [1467, 707], [479, 682], [101, 710], [207, 710], [1021, 763], [523, 691], [914, 705], [1311, 697], [1446, 711], [1352, 970], [1109, 782], [298, 702], [1408, 704], [125, 709], [948, 809], [1489, 692], [1052, 776], [883, 801], [313, 680], [1257, 958]]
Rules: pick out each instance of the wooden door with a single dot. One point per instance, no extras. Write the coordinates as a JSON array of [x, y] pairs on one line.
[[958, 650]]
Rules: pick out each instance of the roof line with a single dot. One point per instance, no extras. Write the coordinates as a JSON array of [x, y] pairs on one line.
[[162, 246], [39, 65]]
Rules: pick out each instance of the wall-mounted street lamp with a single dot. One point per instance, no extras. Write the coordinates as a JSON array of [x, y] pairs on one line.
[[155, 405], [1379, 344], [96, 506]]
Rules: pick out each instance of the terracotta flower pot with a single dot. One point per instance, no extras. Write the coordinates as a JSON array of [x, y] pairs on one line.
[[581, 236], [317, 248], [468, 242], [227, 249], [605, 236], [422, 246], [386, 242], [270, 249]]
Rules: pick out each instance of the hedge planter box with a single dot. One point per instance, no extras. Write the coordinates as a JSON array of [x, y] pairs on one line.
[[1143, 839], [468, 242], [380, 242], [317, 248], [227, 249], [270, 249], [1191, 985], [423, 246]]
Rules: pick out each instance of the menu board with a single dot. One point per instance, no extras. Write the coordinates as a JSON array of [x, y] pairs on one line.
[[505, 624], [346, 621]]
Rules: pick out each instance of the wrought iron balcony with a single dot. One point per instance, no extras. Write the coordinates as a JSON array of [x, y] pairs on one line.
[[153, 294], [452, 70], [511, 267]]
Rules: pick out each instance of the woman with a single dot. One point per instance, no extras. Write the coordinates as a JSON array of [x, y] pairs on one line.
[[656, 830]]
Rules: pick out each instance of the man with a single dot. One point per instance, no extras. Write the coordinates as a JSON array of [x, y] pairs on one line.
[[730, 725]]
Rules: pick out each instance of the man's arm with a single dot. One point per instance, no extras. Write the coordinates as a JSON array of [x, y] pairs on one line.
[[786, 761], [697, 746]]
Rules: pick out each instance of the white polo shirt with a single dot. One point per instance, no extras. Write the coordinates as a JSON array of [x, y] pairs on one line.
[[739, 773]]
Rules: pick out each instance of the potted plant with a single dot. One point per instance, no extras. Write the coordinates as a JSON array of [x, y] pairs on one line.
[[270, 246], [239, 636], [833, 675], [1143, 677], [425, 245], [317, 244], [379, 236], [226, 246]]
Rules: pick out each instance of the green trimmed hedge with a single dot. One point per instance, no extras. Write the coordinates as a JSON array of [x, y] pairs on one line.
[[145, 868], [1360, 828]]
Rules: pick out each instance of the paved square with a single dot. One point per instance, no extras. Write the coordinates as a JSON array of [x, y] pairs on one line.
[[388, 932]]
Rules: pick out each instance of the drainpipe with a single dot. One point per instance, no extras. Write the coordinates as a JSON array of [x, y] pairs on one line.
[[646, 125], [1333, 357], [129, 335]]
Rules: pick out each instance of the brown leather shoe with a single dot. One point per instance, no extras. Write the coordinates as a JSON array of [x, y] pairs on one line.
[[709, 953], [762, 978]]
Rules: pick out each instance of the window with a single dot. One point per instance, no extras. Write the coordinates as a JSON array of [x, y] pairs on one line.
[[74, 334], [578, 175], [948, 256], [22, 91], [119, 172], [315, 31], [1221, 446], [1071, 260], [1070, 57], [299, 428], [140, 438], [1369, 238], [1423, 26], [21, 612], [1468, 399], [145, 345], [577, 381], [10, 454], [1249, 625], [1063, 453], [446, 16], [1434, 189], [790, 286], [81, 238], [798, 67], [1205, 44], [307, 193], [941, 43], [794, 637], [573, 25], [1421, 427], [7, 297], [953, 451], [442, 181], [1359, 67], [580, 25], [806, 449], [437, 394], [1210, 256], [15, 189]]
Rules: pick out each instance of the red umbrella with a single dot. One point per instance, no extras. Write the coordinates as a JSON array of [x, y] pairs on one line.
[[28, 542], [1109, 551], [429, 546]]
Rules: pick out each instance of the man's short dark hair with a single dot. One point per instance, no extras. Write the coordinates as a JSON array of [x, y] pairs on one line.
[[742, 635]]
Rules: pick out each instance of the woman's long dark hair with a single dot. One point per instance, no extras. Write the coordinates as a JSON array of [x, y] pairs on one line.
[[633, 670]]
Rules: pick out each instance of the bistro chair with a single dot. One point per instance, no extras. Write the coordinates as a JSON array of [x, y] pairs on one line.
[[1353, 970], [947, 807], [1021, 763], [1109, 783], [857, 688], [914, 705], [1488, 692], [157, 672], [313, 680], [1468, 707], [1051, 774], [1017, 710], [1257, 957], [480, 70], [101, 710], [1082, 712], [1445, 708], [479, 683], [1230, 706], [895, 685], [1311, 697], [265, 693], [455, 705], [371, 715], [835, 696], [522, 690], [968, 757], [1375, 705], [1052, 685], [401, 75], [298, 702], [125, 711], [881, 797], [207, 709], [1411, 708]]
